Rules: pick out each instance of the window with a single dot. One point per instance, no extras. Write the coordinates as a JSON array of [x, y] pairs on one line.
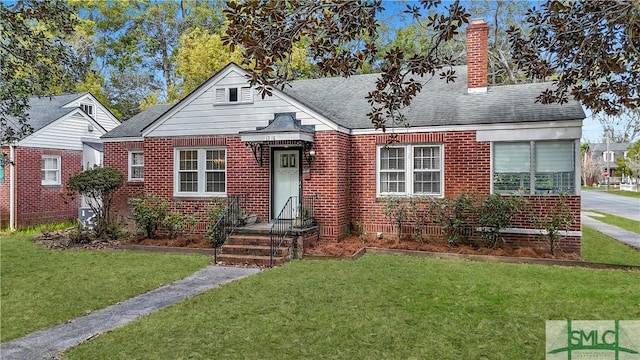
[[608, 156], [51, 170], [200, 172], [534, 167], [233, 95], [136, 166], [88, 108], [410, 170]]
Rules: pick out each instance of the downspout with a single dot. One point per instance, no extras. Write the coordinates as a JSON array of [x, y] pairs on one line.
[[12, 188]]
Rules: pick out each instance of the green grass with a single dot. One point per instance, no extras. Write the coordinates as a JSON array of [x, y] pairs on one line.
[[613, 190], [42, 287], [378, 307], [598, 247], [619, 221]]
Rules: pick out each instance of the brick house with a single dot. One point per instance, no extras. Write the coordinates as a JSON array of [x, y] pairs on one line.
[[314, 139], [65, 140]]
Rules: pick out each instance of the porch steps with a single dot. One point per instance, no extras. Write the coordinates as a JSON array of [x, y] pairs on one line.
[[252, 250]]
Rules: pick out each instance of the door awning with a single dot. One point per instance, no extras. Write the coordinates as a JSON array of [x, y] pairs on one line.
[[284, 128]]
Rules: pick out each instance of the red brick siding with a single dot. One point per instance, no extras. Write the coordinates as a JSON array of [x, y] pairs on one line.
[[37, 203], [116, 155], [4, 192]]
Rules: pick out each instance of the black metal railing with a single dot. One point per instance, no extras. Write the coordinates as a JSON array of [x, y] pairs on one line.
[[296, 213], [231, 218]]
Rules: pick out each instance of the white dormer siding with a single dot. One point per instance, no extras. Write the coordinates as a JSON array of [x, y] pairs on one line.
[[209, 110], [64, 133], [100, 114]]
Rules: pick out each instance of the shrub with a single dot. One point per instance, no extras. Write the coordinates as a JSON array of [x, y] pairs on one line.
[[176, 223], [397, 210], [98, 185], [495, 213], [559, 217], [214, 212], [453, 215], [149, 211]]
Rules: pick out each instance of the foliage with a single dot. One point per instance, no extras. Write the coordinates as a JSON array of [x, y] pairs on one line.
[[590, 48], [632, 161], [149, 212], [558, 218], [495, 213], [176, 223], [342, 38], [214, 212], [591, 165], [36, 59], [98, 186], [397, 210], [453, 215]]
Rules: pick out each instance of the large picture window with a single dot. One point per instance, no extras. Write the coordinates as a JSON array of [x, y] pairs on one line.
[[410, 170], [200, 172], [534, 167], [51, 170]]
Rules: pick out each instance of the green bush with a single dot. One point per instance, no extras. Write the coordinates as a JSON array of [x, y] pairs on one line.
[[558, 218], [176, 223], [495, 213], [214, 212], [453, 215], [149, 211], [397, 210]]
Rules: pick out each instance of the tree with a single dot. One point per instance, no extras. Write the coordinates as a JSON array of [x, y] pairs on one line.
[[623, 127], [586, 47], [589, 48], [98, 186], [36, 59], [341, 39], [591, 166], [632, 161]]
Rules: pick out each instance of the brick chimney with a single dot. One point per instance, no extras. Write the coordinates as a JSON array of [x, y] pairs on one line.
[[477, 58]]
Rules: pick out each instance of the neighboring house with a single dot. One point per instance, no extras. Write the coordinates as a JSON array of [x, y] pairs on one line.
[[65, 140], [315, 140], [605, 156]]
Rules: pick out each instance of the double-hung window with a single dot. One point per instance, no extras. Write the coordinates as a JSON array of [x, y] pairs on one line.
[[51, 170], [534, 167], [136, 166], [200, 172], [412, 169]]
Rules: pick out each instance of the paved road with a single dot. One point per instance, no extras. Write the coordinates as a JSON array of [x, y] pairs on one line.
[[611, 204]]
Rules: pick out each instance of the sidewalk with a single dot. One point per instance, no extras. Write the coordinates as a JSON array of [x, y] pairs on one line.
[[47, 343], [615, 232]]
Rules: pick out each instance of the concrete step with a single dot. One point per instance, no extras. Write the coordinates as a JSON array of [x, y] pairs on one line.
[[247, 239], [260, 250], [249, 260]]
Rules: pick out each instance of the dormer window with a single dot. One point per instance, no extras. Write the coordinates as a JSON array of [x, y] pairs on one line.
[[234, 95], [88, 108]]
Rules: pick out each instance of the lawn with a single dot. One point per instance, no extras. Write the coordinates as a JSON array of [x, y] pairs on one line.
[[42, 287], [619, 221], [378, 307], [613, 190], [598, 247]]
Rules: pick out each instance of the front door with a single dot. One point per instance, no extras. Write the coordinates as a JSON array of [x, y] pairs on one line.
[[286, 179]]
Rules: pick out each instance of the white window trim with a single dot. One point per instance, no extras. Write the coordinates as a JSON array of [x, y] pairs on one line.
[[130, 165], [58, 170], [240, 95], [576, 164], [408, 153], [91, 114], [201, 172]]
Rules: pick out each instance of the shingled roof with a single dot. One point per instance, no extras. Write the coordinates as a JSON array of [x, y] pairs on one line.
[[438, 104], [134, 126], [47, 109]]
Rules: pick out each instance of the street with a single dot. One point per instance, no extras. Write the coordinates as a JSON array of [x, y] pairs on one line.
[[611, 204]]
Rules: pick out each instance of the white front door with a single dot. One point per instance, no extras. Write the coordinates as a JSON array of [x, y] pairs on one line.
[[286, 179]]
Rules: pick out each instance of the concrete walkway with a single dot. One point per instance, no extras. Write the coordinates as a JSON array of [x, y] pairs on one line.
[[615, 232], [46, 344]]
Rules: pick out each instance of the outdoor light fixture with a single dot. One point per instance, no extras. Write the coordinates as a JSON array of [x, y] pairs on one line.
[[309, 153]]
